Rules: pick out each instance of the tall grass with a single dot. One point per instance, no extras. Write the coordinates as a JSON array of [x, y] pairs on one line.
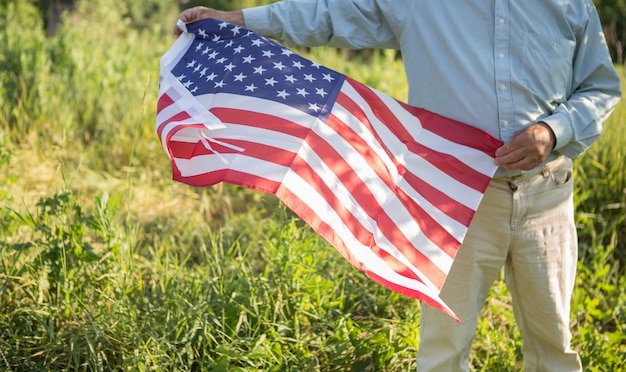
[[106, 264]]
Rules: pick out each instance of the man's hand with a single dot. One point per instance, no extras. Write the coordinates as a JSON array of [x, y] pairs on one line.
[[528, 148], [200, 12]]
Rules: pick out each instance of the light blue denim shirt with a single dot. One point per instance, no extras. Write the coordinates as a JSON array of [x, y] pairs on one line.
[[499, 65]]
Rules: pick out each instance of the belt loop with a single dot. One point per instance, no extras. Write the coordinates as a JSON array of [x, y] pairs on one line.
[[513, 186]]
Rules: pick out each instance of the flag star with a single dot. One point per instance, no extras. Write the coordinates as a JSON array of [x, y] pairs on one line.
[[206, 50], [282, 94], [320, 92], [238, 49], [279, 65], [240, 77], [193, 90], [298, 65], [314, 107], [211, 77], [286, 52], [268, 53], [181, 77], [250, 88], [192, 63], [216, 37], [236, 30], [199, 46], [213, 55], [229, 67], [328, 77], [270, 81], [221, 60], [220, 84], [223, 24], [316, 65], [203, 72], [259, 70], [202, 33], [302, 92], [309, 77], [290, 79], [187, 84], [249, 33], [230, 43], [257, 42], [248, 59], [197, 68]]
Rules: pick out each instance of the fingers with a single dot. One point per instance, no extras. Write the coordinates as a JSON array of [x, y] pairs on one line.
[[528, 148], [520, 158], [200, 12], [194, 14]]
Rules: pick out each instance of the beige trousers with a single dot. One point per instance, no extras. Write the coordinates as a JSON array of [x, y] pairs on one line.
[[526, 225]]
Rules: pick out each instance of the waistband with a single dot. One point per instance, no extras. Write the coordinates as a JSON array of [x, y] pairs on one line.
[[544, 169]]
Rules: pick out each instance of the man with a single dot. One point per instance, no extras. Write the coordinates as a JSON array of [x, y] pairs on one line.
[[535, 74]]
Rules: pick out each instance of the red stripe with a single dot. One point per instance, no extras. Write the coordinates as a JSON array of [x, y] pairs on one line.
[[260, 120], [442, 201], [456, 131], [443, 126], [164, 101], [232, 176], [442, 161]]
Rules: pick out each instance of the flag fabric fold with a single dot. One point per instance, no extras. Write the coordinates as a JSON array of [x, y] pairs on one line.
[[392, 187]]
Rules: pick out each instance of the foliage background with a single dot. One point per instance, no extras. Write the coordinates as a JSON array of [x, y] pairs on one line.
[[106, 264]]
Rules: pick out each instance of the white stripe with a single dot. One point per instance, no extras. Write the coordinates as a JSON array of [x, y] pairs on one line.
[[203, 164]]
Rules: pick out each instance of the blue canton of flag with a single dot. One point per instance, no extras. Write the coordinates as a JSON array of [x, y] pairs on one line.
[[243, 62]]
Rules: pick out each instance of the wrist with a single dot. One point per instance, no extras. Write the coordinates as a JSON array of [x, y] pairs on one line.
[[551, 133], [235, 17]]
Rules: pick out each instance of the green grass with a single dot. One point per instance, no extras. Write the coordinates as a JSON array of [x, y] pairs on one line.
[[107, 264]]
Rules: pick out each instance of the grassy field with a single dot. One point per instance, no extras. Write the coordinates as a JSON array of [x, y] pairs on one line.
[[106, 264]]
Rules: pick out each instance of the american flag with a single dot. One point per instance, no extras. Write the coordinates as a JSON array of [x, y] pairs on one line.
[[392, 187]]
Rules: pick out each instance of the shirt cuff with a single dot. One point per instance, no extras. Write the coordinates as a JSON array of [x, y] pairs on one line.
[[563, 131], [257, 19]]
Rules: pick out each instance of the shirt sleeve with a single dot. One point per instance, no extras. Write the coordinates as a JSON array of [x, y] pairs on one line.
[[577, 122], [344, 24]]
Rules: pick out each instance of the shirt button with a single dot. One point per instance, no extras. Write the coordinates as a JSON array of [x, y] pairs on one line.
[[503, 87], [501, 21], [505, 123], [501, 55]]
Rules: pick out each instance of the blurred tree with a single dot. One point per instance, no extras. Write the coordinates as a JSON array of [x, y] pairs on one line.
[[53, 9], [613, 16]]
